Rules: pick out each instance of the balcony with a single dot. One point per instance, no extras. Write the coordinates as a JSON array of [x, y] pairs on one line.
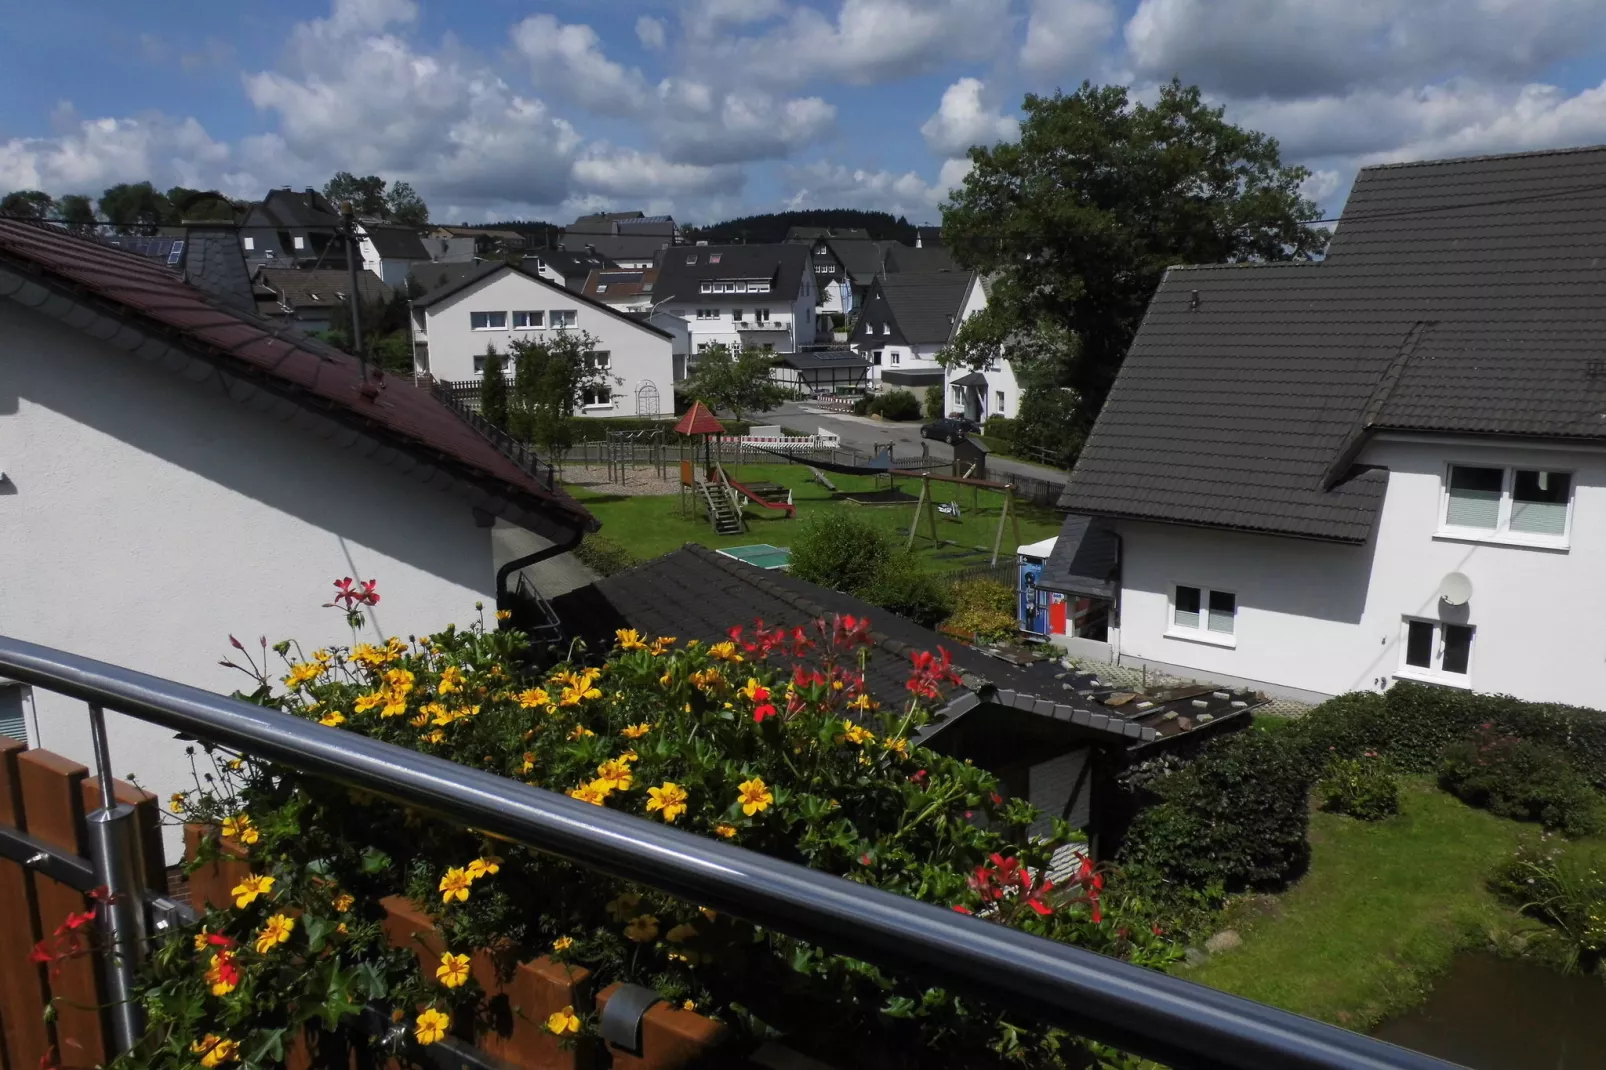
[[760, 325]]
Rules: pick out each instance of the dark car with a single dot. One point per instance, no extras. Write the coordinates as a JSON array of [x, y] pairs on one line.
[[946, 430]]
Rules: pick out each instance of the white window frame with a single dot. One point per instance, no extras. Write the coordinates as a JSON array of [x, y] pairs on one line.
[[999, 397], [762, 315], [535, 320], [706, 287], [1201, 633], [569, 316], [298, 242], [489, 325], [1434, 673], [708, 313], [897, 358], [250, 244], [1501, 533]]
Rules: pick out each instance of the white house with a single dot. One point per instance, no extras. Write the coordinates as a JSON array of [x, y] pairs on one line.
[[1389, 465], [759, 296], [178, 470], [991, 390], [391, 252], [498, 304], [907, 320]]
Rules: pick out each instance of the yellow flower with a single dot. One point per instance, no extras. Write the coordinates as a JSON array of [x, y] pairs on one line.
[[897, 745], [274, 933], [561, 1022], [623, 905], [563, 943], [629, 756], [200, 939], [221, 986], [529, 762], [755, 796], [681, 933], [395, 704], [437, 736], [726, 831], [453, 970], [671, 799], [332, 719], [235, 764], [661, 644], [504, 614], [667, 678], [342, 930], [642, 928], [367, 702], [343, 902], [245, 893], [616, 773], [240, 827], [534, 697], [635, 731], [629, 639], [580, 732], [489, 864], [431, 1026], [368, 656], [451, 680], [862, 702], [454, 885], [595, 793], [214, 1049], [689, 1005], [750, 692], [440, 715], [303, 673], [175, 802], [419, 721], [857, 733], [725, 651]]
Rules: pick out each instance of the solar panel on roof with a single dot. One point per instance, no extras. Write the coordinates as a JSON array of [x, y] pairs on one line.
[[175, 253]]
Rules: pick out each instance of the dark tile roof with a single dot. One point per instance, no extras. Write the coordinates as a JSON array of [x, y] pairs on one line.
[[618, 246], [458, 277], [293, 210], [1085, 560], [907, 260], [1458, 296], [620, 283], [685, 267], [321, 379], [924, 308], [432, 277], [814, 234], [862, 260], [573, 266], [484, 270], [601, 222], [321, 289], [396, 243]]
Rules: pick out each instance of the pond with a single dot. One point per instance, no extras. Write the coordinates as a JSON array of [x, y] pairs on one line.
[[1490, 1013]]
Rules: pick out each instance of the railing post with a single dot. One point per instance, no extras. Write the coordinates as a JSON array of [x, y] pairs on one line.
[[121, 915]]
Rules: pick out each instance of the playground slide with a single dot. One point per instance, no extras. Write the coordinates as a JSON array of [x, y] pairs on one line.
[[789, 510]]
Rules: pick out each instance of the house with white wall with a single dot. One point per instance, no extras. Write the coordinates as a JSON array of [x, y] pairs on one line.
[[1388, 465], [907, 320], [392, 252], [497, 304], [178, 470], [758, 296], [976, 393]]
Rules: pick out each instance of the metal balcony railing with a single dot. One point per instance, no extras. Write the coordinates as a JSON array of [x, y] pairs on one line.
[[1176, 1022]]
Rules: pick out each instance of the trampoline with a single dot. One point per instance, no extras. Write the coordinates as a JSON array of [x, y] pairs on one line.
[[760, 555]]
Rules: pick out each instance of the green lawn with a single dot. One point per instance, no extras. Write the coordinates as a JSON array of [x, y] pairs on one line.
[[1383, 909], [652, 526]]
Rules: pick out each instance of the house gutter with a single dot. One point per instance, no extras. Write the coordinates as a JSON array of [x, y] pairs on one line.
[[520, 563]]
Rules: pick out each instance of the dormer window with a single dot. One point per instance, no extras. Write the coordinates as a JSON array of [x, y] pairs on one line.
[[691, 258], [713, 258]]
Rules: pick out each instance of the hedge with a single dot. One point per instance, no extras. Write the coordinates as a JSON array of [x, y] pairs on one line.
[[596, 430]]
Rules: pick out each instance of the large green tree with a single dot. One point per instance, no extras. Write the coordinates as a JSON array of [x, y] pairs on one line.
[[200, 205], [28, 204], [76, 210], [366, 194], [552, 379], [404, 205], [737, 380], [135, 207], [1081, 216]]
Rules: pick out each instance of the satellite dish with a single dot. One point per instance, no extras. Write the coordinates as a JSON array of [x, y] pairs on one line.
[[1455, 589]]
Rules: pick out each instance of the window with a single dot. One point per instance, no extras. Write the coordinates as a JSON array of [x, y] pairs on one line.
[[562, 318], [886, 328], [602, 287], [600, 359], [758, 287], [769, 347], [596, 397], [691, 258], [999, 394], [897, 358], [250, 244], [727, 287], [529, 321], [875, 358], [299, 242], [959, 395], [1200, 613], [708, 313], [707, 287], [713, 258], [736, 314], [1434, 648], [762, 315], [1516, 504], [479, 364], [487, 321]]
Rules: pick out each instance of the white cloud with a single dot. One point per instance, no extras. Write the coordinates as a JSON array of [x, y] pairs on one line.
[[966, 118], [569, 59], [703, 18], [836, 185], [699, 124], [91, 154], [623, 172], [1063, 33], [650, 32]]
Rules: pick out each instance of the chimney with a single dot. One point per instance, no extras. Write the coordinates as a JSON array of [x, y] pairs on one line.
[[214, 262]]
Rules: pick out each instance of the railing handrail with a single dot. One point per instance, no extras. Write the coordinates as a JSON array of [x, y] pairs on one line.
[[1142, 1011]]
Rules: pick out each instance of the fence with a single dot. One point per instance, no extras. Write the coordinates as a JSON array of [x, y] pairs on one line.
[[1149, 1013], [1005, 572], [511, 448]]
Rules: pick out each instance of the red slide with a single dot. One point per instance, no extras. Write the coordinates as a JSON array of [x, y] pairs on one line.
[[789, 510]]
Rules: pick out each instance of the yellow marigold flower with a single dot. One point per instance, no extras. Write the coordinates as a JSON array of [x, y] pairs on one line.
[[689, 1005], [453, 970], [395, 704], [726, 651], [437, 736], [750, 692], [504, 614], [529, 762], [240, 827], [175, 802], [245, 893], [661, 645], [635, 731], [642, 928], [303, 673], [343, 902], [368, 656], [595, 793], [222, 983], [754, 796], [563, 943], [726, 831], [580, 731], [629, 639], [534, 697], [441, 715], [560, 1022], [488, 864], [897, 745], [431, 1026], [623, 905], [629, 756], [862, 702], [454, 885], [451, 680], [667, 678], [615, 773], [333, 719], [274, 933], [342, 930], [215, 1050], [671, 799], [420, 721], [856, 733], [367, 702], [681, 933]]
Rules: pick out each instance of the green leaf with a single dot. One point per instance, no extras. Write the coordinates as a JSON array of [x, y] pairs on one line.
[[374, 860], [268, 1051]]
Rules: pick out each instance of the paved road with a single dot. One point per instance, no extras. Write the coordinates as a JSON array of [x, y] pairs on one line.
[[863, 433]]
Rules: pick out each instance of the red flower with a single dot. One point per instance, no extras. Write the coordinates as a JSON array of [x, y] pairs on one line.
[[931, 671], [761, 694], [219, 940], [763, 712], [919, 777], [865, 859], [998, 800], [75, 921], [40, 955], [963, 909]]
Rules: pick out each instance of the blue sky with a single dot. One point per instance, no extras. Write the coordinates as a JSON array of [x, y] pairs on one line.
[[714, 108]]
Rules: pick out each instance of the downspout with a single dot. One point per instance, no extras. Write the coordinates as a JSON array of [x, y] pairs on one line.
[[1115, 603], [519, 563]]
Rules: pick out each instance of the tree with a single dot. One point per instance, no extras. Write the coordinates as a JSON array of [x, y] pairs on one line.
[[934, 402], [553, 378], [1080, 218], [736, 381], [493, 389], [366, 194], [77, 211], [200, 205], [28, 204], [404, 205], [135, 208]]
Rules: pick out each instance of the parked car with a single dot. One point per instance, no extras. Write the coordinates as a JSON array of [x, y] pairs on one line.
[[944, 430], [966, 424]]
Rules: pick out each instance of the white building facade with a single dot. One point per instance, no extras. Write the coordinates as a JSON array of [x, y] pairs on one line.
[[758, 296]]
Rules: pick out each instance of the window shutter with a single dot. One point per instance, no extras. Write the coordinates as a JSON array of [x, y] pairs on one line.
[[1474, 500]]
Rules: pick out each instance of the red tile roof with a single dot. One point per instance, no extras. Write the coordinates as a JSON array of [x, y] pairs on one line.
[[407, 417], [699, 421]]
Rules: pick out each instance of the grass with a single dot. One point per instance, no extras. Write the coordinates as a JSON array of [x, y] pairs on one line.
[[654, 525], [1382, 910]]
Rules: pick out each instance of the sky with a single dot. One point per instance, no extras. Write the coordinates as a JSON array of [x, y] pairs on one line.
[[708, 109]]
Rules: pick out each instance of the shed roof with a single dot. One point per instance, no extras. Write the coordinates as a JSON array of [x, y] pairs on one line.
[[699, 421], [925, 307]]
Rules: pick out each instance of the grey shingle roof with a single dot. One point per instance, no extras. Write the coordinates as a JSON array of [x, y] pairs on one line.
[[784, 265], [294, 209], [924, 308], [1458, 296], [491, 267], [862, 260], [573, 266], [1085, 559], [396, 243], [321, 289], [908, 260], [213, 262]]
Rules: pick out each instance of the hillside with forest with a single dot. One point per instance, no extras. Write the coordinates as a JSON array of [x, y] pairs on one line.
[[772, 226]]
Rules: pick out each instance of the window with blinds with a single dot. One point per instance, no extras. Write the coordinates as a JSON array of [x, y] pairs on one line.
[[12, 722], [1474, 499], [1199, 609], [1525, 503]]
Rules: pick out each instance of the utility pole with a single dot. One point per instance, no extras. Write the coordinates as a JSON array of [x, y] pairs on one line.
[[352, 301]]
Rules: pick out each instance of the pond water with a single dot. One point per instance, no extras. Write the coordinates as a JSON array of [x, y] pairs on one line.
[[1490, 1013]]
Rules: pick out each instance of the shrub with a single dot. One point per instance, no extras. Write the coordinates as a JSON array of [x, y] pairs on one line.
[[895, 405], [935, 407], [999, 427], [862, 403], [983, 608], [906, 589], [1566, 889], [1236, 815], [1520, 779], [493, 389], [1361, 787], [604, 555], [840, 551]]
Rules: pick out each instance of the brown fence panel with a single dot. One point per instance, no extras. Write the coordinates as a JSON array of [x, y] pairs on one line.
[[150, 867], [53, 804], [22, 984], [210, 884]]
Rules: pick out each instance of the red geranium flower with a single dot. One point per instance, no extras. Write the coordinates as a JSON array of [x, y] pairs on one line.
[[763, 712]]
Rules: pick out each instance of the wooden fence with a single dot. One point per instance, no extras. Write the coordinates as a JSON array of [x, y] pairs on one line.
[[1005, 572]]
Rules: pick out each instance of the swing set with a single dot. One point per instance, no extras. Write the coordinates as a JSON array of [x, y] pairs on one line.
[[926, 507]]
